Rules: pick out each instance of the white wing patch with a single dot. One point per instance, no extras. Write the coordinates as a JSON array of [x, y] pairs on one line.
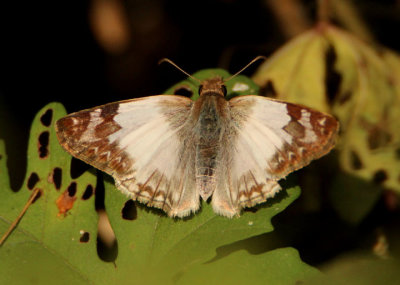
[[143, 144], [268, 140]]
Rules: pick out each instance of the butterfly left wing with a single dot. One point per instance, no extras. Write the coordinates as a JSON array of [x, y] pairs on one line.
[[144, 143], [266, 140]]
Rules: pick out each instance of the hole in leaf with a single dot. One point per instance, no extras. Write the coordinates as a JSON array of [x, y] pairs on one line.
[[38, 195], [57, 176], [43, 144], [107, 246], [46, 118], [129, 211], [32, 180], [355, 160], [72, 189], [78, 167], [85, 236], [380, 176], [333, 78], [268, 90], [184, 90], [88, 192]]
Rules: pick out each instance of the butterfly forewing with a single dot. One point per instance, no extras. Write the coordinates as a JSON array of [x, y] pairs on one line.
[[145, 144], [267, 140]]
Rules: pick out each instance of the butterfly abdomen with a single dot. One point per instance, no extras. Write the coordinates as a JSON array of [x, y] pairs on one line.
[[209, 129]]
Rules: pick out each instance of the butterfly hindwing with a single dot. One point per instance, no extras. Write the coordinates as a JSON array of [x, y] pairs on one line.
[[145, 144], [268, 140]]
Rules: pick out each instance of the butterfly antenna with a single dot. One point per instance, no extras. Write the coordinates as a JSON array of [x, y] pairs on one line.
[[177, 67], [247, 65]]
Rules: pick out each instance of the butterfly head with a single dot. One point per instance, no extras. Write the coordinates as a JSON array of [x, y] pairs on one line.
[[213, 86]]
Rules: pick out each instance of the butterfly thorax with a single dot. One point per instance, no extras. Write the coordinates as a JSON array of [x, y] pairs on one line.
[[209, 129]]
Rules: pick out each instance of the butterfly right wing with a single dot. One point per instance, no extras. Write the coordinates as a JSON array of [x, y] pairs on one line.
[[146, 144], [264, 141]]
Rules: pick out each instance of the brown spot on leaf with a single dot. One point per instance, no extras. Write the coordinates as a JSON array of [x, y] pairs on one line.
[[66, 200], [129, 211], [47, 117], [88, 192], [355, 161], [32, 180], [380, 176], [43, 144]]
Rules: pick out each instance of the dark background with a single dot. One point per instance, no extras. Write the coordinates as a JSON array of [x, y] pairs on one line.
[[50, 51]]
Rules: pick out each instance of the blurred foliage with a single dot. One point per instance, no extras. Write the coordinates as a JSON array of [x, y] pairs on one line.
[[331, 70]]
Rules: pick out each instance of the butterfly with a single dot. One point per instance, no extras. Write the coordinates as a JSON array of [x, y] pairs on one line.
[[170, 152]]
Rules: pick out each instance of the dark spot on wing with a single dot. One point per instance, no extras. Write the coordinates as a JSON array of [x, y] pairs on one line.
[[47, 117]]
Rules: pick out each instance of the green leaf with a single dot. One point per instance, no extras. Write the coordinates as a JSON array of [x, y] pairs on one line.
[[48, 247], [279, 266]]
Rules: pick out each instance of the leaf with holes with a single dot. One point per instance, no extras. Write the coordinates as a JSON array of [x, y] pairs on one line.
[[52, 229], [331, 70], [58, 232]]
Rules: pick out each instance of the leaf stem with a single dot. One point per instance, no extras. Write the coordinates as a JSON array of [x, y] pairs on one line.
[[21, 214]]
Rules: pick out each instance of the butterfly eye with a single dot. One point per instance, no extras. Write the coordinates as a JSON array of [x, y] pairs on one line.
[[223, 87], [200, 88]]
